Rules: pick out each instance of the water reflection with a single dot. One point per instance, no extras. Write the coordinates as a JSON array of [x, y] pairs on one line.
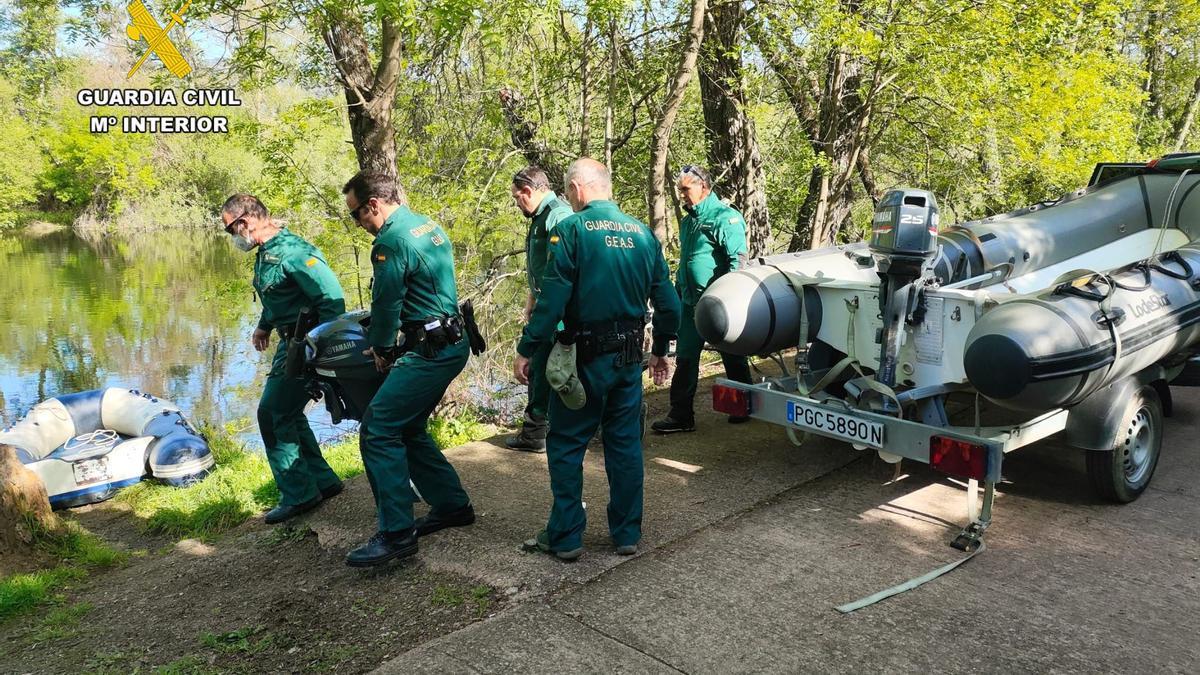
[[168, 313]]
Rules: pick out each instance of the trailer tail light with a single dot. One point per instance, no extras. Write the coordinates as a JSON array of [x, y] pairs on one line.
[[958, 458], [731, 400]]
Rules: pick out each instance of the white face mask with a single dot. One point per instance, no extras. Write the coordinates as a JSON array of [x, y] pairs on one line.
[[243, 243]]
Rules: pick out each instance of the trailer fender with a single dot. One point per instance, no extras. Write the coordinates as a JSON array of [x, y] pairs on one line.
[[1093, 423]]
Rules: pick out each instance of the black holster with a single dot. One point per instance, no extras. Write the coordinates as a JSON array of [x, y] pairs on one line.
[[293, 336], [474, 335]]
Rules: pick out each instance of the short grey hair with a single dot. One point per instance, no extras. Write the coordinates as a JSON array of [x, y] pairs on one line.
[[242, 204]]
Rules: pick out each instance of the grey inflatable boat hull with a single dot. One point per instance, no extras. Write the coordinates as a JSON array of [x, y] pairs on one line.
[[757, 311]]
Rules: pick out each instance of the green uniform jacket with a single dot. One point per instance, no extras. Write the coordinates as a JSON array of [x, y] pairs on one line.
[[537, 241], [414, 282], [291, 274], [604, 265], [712, 242]]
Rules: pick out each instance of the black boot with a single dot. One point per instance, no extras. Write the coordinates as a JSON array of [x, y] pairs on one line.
[[670, 425], [382, 547], [532, 437], [285, 511], [427, 525]]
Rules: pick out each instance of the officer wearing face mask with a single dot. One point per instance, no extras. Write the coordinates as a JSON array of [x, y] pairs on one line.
[[290, 276]]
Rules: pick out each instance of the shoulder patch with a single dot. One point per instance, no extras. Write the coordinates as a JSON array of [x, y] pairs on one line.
[[554, 239], [734, 219], [380, 257], [310, 262]]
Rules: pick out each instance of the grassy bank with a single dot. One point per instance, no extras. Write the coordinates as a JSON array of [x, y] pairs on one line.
[[241, 484], [77, 552]]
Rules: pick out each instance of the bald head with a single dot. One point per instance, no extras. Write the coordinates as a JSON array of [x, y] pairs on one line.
[[587, 180]]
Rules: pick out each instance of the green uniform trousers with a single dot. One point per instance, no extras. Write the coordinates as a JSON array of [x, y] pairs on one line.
[[292, 450], [539, 389], [688, 347], [614, 401], [395, 441]]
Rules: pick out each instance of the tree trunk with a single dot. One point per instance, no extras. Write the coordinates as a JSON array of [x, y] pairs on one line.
[[585, 91], [24, 505], [1183, 128], [657, 188], [370, 91], [609, 101], [1154, 65], [733, 154]]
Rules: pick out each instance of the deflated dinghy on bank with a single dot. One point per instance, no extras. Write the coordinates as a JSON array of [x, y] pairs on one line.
[[86, 446]]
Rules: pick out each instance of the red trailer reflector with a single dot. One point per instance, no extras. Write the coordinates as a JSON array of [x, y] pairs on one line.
[[958, 458], [731, 400]]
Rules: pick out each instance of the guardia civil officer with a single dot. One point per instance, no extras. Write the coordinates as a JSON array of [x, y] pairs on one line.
[[418, 336], [712, 243], [290, 276], [533, 196], [604, 266]]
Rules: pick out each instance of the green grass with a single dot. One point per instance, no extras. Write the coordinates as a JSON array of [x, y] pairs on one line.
[[239, 486], [77, 552], [60, 622], [239, 641], [449, 596]]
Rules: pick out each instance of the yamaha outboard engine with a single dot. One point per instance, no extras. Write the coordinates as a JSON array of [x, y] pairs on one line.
[[346, 377], [904, 244]]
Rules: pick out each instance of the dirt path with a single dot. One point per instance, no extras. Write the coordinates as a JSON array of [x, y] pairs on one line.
[[273, 599]]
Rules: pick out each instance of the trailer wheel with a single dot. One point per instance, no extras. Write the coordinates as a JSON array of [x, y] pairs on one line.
[[1122, 474]]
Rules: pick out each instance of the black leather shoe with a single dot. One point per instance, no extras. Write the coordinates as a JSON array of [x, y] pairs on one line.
[[670, 425], [332, 491], [284, 511], [382, 547], [526, 443], [738, 419], [428, 524]]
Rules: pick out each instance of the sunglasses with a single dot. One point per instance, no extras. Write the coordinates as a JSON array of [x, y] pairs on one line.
[[233, 224], [354, 213]]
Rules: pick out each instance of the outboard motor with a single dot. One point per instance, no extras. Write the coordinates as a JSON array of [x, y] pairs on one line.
[[904, 244], [347, 379]]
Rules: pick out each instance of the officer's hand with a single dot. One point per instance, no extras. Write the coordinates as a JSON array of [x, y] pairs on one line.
[[660, 368], [261, 339], [521, 369], [528, 311], [381, 364]]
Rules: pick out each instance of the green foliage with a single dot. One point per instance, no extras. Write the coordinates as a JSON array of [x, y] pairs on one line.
[[239, 487], [454, 430], [21, 158]]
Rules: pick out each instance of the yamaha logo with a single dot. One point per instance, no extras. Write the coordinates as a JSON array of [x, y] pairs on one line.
[[340, 347]]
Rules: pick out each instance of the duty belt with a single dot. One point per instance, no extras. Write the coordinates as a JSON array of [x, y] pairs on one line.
[[430, 336], [624, 337]]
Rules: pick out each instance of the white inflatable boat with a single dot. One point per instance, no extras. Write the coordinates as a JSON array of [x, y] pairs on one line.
[[1069, 317], [88, 445]]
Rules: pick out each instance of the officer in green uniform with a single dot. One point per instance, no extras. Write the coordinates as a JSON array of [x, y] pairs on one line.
[[604, 266], [413, 296], [290, 275], [532, 194], [712, 242]]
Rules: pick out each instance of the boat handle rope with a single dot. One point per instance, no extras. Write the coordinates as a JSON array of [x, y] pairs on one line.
[[1105, 302], [1162, 230], [101, 438], [1171, 256]]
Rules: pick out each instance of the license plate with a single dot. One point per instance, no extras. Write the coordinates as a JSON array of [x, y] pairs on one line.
[[831, 423], [88, 471]]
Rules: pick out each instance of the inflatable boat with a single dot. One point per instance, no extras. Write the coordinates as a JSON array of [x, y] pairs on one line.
[[1071, 316], [88, 445]]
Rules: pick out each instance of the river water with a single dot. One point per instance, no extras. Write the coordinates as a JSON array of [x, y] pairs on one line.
[[169, 313]]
